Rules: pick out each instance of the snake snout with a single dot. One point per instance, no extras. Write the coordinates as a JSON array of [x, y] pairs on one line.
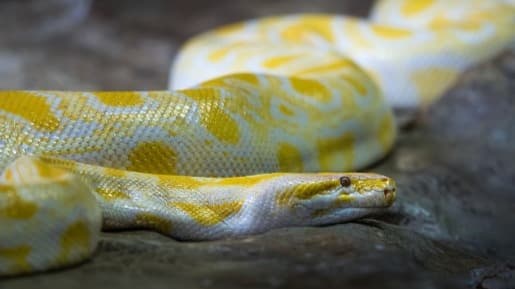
[[389, 195]]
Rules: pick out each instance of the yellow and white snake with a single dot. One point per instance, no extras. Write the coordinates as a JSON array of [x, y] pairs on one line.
[[238, 153]]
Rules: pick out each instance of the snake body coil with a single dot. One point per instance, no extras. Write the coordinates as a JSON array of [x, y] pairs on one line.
[[238, 153]]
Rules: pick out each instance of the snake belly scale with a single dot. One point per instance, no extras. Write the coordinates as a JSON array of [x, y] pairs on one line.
[[269, 117]]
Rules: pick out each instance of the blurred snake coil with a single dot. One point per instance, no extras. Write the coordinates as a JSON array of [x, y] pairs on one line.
[[264, 122]]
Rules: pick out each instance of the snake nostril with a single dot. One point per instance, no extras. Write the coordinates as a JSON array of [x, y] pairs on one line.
[[387, 192]]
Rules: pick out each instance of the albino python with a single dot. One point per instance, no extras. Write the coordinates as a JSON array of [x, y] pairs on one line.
[[237, 153]]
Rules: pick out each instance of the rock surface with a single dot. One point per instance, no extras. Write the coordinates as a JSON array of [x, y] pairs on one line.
[[452, 226]]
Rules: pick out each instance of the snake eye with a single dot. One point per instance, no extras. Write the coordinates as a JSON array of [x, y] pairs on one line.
[[345, 181]]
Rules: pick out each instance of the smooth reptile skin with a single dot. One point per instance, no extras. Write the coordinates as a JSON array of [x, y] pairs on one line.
[[238, 153]]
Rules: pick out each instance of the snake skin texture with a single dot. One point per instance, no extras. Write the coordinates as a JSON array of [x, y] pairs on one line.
[[267, 117]]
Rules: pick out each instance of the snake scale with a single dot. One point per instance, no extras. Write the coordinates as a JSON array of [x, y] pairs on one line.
[[259, 109]]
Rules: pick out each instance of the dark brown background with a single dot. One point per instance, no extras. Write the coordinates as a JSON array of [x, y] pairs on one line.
[[120, 44]]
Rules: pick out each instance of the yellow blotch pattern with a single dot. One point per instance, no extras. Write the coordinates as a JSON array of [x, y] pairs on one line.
[[75, 243], [14, 206], [221, 125], [115, 172], [153, 157], [119, 98], [432, 82], [47, 171], [33, 108], [275, 62], [110, 194], [411, 7], [305, 27], [329, 150], [214, 118], [337, 65], [151, 221], [247, 77], [304, 191], [184, 182], [390, 32], [209, 214], [311, 88], [442, 22], [289, 158], [219, 54], [246, 181], [17, 256]]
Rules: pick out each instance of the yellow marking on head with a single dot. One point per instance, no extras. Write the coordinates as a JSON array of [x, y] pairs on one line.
[[109, 194], [308, 26], [277, 61], [32, 107], [411, 7], [363, 185], [75, 243], [119, 98], [336, 153], [344, 198], [17, 256], [148, 220], [213, 117], [304, 191], [385, 132], [432, 82], [153, 157], [390, 32], [209, 214], [341, 199], [311, 88], [14, 207], [289, 158]]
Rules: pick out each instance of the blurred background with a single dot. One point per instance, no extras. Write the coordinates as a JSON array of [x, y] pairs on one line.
[[116, 44]]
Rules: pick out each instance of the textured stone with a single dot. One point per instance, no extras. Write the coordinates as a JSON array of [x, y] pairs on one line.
[[452, 226]]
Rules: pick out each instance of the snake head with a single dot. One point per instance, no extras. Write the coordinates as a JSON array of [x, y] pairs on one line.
[[331, 197]]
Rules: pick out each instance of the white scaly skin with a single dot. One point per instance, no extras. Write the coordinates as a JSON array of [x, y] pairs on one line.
[[300, 93], [414, 50], [63, 200]]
